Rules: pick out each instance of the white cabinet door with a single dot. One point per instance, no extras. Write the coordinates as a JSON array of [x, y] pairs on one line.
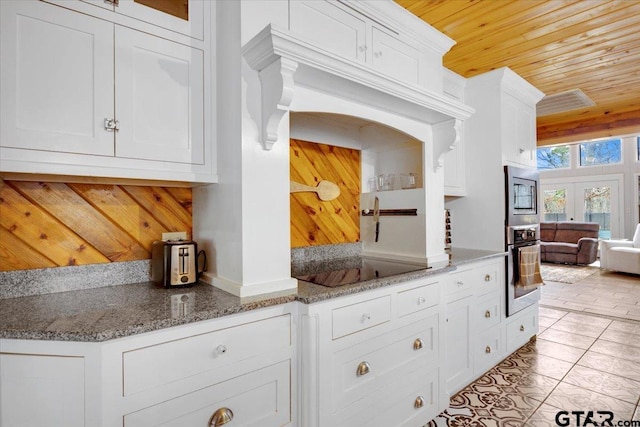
[[41, 390], [396, 58], [519, 120], [459, 363], [159, 98], [56, 79], [330, 27]]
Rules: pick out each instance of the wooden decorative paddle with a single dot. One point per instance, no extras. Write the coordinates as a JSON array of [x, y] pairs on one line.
[[326, 190]]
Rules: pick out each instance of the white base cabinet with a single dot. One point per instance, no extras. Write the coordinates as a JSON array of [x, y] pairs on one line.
[[479, 335], [38, 390], [241, 365], [374, 361]]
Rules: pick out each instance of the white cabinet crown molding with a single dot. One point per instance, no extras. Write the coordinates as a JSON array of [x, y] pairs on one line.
[[332, 75], [512, 83]]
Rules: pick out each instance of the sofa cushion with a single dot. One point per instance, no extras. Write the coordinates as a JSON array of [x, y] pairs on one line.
[[571, 231], [547, 231], [560, 247]]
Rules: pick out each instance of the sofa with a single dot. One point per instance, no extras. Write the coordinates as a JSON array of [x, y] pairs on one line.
[[569, 242], [621, 255]]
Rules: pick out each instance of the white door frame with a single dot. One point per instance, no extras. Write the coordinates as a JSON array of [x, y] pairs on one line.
[[572, 183]]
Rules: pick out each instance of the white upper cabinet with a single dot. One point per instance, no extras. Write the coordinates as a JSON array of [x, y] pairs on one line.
[[159, 99], [181, 16], [381, 35], [86, 96], [330, 27], [51, 62]]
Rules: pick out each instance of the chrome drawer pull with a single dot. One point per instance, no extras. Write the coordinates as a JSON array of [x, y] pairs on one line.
[[487, 278], [363, 369], [421, 300], [366, 317], [419, 403], [459, 283], [418, 344], [111, 125], [487, 314], [521, 328], [221, 349], [220, 417], [488, 349]]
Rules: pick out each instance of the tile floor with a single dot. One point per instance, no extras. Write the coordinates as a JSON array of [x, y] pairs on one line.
[[586, 358]]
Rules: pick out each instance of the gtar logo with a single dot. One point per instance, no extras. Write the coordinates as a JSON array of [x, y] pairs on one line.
[[584, 418]]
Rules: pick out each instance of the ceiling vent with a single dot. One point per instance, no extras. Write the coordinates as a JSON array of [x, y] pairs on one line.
[[563, 101]]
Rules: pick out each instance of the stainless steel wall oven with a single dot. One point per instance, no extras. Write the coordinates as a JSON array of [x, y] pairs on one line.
[[522, 238]]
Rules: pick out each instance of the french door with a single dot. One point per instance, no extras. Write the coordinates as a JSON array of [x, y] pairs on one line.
[[591, 201]]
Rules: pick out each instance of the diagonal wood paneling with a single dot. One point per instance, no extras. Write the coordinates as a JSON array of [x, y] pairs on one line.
[[314, 222], [56, 224]]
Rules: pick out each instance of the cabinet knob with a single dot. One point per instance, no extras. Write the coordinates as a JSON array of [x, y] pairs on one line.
[[366, 317], [521, 328], [421, 300], [488, 349], [487, 314], [459, 283], [220, 417], [111, 125], [362, 48], [221, 349], [487, 277], [418, 344], [419, 403], [521, 150], [377, 54], [363, 369]]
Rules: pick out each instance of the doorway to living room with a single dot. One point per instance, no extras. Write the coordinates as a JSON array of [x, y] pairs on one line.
[[591, 199]]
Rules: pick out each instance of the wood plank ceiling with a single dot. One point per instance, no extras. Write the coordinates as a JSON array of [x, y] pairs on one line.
[[556, 45]]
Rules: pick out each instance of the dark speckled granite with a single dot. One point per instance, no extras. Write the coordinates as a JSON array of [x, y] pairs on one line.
[[105, 313]]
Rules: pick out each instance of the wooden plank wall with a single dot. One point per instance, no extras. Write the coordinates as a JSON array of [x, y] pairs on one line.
[[46, 224], [314, 222]]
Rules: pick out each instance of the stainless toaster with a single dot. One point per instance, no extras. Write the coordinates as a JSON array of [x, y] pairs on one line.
[[174, 263]]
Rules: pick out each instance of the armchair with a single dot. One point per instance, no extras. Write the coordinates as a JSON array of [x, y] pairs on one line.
[[621, 255]]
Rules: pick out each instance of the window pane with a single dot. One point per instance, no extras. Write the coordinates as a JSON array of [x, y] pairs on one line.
[[553, 157], [555, 205], [597, 208], [600, 153]]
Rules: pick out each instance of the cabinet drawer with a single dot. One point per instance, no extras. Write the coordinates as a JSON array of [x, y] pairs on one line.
[[486, 312], [488, 349], [164, 363], [487, 279], [362, 369], [259, 398], [461, 285], [360, 316], [521, 329], [417, 299], [409, 401]]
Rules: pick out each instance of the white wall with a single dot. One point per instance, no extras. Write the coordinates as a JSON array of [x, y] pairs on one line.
[[629, 169]]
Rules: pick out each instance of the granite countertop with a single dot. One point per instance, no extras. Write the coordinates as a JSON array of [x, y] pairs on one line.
[[101, 314]]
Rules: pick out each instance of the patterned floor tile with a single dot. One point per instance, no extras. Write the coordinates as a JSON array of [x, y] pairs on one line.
[[621, 351], [587, 319], [612, 365], [544, 416], [559, 351], [621, 337], [568, 338], [578, 328], [573, 398], [552, 313], [613, 385]]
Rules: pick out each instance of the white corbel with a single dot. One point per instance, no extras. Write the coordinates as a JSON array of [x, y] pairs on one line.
[[277, 94], [445, 137]]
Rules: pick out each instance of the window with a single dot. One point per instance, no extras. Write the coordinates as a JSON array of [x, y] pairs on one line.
[[600, 152], [555, 205], [553, 157]]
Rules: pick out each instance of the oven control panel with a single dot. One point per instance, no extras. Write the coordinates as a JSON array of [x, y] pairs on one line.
[[525, 235]]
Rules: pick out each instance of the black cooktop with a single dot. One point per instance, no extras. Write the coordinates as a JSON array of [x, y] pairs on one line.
[[358, 271]]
